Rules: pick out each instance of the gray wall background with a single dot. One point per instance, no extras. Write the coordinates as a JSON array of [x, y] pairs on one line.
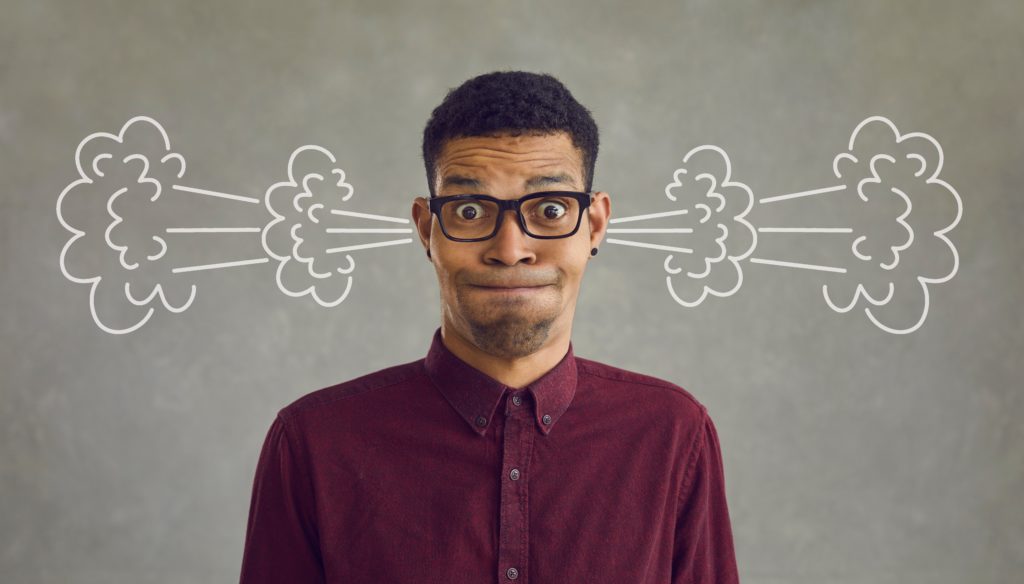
[[851, 455]]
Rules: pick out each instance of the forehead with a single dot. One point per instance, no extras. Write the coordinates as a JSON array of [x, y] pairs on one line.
[[533, 160]]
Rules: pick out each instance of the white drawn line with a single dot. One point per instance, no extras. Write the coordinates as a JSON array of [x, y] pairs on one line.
[[367, 245], [650, 216], [215, 194], [798, 265], [214, 229], [649, 245], [368, 216], [820, 191], [650, 230], [220, 265], [368, 230], [805, 230]]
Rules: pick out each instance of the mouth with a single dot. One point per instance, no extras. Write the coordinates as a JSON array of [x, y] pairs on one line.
[[511, 289]]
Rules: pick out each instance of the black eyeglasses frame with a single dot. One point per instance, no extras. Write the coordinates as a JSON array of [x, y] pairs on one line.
[[584, 199]]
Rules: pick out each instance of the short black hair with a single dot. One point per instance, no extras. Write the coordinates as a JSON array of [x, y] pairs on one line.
[[510, 103]]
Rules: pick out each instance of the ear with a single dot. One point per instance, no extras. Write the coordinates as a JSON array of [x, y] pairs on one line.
[[599, 212], [423, 219]]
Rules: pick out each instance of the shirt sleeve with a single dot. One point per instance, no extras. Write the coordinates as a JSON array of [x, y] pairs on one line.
[[703, 552], [281, 540]]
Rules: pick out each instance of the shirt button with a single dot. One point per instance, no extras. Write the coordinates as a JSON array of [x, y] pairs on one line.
[[514, 474], [517, 400], [511, 573], [481, 421], [546, 419]]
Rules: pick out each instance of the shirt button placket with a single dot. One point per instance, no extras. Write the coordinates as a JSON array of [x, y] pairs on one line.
[[513, 541]]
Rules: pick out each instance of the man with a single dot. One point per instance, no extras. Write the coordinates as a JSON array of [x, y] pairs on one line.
[[500, 456]]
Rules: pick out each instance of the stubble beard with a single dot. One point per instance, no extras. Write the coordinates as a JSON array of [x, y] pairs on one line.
[[514, 334], [510, 336]]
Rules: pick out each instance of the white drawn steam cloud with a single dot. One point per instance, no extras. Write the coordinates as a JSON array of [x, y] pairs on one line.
[[890, 173], [875, 175], [712, 212], [120, 186], [303, 208], [117, 184]]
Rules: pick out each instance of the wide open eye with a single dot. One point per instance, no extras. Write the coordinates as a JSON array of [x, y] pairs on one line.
[[552, 209], [469, 211]]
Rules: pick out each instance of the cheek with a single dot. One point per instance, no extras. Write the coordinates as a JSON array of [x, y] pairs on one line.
[[576, 260], [447, 270], [570, 284]]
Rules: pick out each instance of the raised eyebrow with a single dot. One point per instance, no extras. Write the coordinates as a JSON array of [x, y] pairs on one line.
[[539, 181], [458, 180]]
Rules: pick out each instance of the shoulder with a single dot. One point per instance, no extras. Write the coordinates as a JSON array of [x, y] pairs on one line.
[[656, 391], [351, 389]]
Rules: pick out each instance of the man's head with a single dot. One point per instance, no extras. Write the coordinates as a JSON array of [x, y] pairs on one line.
[[508, 134]]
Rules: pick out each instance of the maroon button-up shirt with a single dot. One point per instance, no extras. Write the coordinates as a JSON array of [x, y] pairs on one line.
[[432, 471]]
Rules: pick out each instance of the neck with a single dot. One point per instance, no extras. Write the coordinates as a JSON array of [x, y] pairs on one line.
[[515, 373]]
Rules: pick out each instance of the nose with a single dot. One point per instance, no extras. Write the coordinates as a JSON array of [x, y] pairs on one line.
[[510, 245]]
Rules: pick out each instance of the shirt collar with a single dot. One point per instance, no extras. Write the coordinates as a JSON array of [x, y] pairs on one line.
[[475, 395]]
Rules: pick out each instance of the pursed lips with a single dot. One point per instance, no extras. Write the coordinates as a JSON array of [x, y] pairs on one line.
[[510, 285]]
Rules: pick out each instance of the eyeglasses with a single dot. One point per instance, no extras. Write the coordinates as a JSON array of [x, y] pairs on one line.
[[543, 215]]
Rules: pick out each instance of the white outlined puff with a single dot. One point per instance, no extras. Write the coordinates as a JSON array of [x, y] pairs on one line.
[[922, 157], [284, 201], [706, 212], [87, 174], [922, 162]]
